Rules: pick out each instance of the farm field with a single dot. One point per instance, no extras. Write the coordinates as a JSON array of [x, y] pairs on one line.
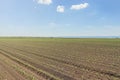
[[59, 59]]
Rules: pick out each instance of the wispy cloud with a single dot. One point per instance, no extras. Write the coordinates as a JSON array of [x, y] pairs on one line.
[[79, 6], [45, 2], [60, 9]]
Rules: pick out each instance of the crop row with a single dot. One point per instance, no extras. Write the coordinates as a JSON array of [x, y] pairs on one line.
[[73, 64], [28, 66], [23, 58]]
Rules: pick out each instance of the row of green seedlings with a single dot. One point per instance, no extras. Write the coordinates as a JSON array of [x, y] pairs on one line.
[[39, 72], [21, 71]]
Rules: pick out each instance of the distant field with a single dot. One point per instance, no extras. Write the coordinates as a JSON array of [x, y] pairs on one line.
[[59, 59]]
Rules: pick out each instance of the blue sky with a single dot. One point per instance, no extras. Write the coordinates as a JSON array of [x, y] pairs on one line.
[[59, 18]]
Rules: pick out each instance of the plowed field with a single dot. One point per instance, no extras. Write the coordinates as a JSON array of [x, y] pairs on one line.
[[59, 59]]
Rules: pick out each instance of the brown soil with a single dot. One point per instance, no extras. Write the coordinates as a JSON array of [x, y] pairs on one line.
[[8, 71]]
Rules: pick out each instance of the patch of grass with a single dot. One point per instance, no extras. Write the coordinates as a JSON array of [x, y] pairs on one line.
[[23, 73]]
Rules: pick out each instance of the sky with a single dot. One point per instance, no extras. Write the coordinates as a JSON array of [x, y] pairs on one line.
[[54, 18]]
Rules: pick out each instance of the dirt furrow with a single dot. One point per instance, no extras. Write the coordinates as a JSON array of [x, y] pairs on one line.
[[105, 72], [8, 73], [62, 76]]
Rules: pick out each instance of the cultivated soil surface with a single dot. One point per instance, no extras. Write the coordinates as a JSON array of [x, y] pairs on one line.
[[59, 59], [8, 73], [9, 70]]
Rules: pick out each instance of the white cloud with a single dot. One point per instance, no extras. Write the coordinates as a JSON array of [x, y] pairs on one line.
[[60, 9], [46, 2], [79, 6]]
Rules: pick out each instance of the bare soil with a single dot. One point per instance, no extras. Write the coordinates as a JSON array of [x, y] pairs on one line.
[[9, 71]]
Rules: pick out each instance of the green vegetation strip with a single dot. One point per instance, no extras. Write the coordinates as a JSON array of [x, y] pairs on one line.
[[32, 68], [22, 72]]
